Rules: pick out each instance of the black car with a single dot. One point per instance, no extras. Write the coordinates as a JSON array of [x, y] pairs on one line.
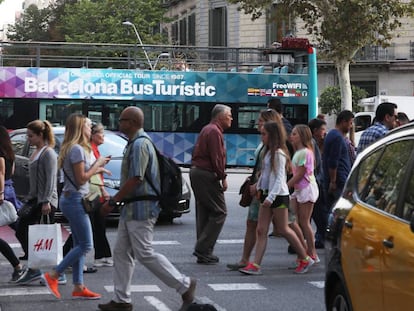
[[113, 145]]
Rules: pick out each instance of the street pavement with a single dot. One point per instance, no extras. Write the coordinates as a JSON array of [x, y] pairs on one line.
[[277, 289]]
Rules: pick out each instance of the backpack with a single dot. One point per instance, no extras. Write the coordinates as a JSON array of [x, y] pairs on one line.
[[171, 183]]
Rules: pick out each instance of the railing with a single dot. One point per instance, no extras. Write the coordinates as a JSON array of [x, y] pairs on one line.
[[163, 57], [127, 56]]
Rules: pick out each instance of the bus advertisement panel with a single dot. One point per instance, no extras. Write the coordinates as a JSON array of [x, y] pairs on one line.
[[176, 104]]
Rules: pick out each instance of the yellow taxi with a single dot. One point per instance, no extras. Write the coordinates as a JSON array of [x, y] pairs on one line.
[[370, 247]]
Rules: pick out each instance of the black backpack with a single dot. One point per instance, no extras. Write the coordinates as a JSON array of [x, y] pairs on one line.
[[170, 180]]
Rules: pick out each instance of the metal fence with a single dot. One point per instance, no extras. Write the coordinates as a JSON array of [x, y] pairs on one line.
[[125, 56], [162, 57]]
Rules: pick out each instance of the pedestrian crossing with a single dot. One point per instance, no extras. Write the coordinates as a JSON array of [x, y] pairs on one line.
[[149, 291]]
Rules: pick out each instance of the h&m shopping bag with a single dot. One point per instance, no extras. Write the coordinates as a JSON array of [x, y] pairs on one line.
[[45, 245]]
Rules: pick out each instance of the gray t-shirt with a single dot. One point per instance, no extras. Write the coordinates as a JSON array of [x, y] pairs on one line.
[[75, 155]]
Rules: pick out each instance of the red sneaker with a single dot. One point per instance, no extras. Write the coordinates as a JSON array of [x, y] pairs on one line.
[[85, 294], [52, 284]]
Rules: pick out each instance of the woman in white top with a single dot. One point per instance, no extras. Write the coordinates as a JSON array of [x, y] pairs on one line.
[[273, 194]]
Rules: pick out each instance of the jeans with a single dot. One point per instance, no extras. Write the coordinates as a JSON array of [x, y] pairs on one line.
[[80, 225]]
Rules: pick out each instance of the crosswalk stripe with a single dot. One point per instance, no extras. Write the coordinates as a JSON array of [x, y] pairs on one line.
[[318, 284], [24, 291], [165, 243], [156, 303], [234, 241], [136, 288], [236, 286]]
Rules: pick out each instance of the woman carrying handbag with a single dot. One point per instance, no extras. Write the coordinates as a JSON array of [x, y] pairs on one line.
[[7, 193], [43, 187]]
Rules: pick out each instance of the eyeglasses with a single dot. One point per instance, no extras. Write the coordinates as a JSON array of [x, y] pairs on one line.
[[123, 119]]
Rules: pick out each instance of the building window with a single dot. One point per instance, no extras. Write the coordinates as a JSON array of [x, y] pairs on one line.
[[278, 28], [218, 27], [192, 29]]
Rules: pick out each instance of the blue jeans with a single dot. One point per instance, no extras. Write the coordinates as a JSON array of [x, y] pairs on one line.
[[80, 225]]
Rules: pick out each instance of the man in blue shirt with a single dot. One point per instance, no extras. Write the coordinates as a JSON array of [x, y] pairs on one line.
[[137, 219], [386, 117], [335, 158]]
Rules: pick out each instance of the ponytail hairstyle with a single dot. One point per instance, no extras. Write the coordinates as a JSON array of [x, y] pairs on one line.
[[277, 140], [44, 129]]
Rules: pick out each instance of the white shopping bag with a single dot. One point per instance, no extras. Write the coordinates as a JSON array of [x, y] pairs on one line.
[[45, 245]]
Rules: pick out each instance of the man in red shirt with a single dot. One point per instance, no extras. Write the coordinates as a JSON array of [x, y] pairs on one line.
[[208, 181]]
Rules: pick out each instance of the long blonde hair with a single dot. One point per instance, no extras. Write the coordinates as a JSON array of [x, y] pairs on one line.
[[73, 135]]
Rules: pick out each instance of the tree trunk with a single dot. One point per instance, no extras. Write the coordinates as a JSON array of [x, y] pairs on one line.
[[342, 67]]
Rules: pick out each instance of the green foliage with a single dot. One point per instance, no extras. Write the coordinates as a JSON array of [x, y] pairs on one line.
[[33, 25], [339, 27], [330, 99], [101, 21], [91, 21]]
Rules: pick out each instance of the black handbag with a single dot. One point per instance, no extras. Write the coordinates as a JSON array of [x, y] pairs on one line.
[[246, 197], [29, 206]]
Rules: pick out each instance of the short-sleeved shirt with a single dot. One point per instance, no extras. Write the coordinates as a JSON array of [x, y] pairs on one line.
[[304, 157], [75, 155], [140, 160], [371, 134]]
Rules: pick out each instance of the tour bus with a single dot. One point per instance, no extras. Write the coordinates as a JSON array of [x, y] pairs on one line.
[[176, 103]]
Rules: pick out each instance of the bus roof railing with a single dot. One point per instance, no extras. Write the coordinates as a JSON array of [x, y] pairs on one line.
[[131, 56]]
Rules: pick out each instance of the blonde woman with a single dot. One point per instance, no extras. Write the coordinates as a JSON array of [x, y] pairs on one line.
[[74, 161]]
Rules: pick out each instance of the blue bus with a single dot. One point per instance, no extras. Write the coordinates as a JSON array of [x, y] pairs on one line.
[[176, 104]]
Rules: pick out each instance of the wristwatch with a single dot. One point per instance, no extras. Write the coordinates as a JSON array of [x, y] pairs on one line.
[[112, 202]]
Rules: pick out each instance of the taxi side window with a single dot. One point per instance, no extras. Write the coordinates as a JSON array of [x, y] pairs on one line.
[[384, 176], [408, 207]]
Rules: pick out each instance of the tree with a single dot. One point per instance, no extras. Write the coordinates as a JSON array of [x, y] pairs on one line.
[[101, 21], [330, 99], [33, 25], [340, 27]]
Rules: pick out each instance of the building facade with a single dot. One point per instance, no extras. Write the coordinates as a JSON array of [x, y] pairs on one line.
[[381, 71]]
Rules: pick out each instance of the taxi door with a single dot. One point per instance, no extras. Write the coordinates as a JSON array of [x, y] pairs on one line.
[[361, 246], [398, 254]]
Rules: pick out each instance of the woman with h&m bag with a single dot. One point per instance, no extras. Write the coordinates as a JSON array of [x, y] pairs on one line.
[[42, 176]]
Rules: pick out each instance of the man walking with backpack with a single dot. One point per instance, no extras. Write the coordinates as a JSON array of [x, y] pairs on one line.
[[208, 180], [137, 219]]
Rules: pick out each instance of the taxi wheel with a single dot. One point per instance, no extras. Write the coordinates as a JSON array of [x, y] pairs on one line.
[[338, 300]]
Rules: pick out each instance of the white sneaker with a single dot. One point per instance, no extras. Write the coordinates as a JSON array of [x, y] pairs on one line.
[[103, 262]]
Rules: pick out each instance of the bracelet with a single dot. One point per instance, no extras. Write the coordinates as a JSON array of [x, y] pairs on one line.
[[1, 192]]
